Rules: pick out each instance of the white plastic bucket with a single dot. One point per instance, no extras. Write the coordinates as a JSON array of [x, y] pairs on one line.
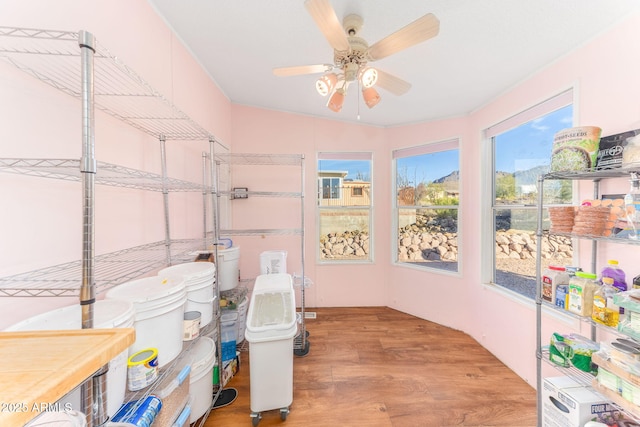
[[199, 278], [203, 357], [159, 314], [273, 262], [228, 271], [106, 314], [59, 419]]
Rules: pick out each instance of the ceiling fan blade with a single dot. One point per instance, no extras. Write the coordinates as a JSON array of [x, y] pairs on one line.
[[418, 31], [322, 12], [392, 84], [301, 69]]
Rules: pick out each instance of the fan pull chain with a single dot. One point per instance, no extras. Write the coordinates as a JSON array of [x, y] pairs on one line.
[[358, 118]]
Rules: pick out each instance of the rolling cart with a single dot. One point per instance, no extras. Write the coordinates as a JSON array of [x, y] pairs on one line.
[[271, 328]]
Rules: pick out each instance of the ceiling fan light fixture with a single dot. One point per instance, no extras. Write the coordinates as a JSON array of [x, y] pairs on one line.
[[326, 83], [368, 77], [336, 101], [371, 97]]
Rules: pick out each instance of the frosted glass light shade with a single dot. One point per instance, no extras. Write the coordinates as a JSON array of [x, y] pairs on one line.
[[369, 77], [371, 97], [336, 101], [326, 83]]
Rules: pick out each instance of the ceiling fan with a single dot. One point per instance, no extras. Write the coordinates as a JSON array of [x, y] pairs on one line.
[[352, 55]]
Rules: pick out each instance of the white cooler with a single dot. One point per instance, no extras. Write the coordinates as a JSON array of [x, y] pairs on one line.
[[271, 327]]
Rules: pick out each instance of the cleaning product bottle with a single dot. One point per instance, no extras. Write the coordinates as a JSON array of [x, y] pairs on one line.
[[632, 207], [614, 271]]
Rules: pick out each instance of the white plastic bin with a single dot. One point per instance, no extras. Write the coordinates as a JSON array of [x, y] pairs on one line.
[[228, 270], [273, 262], [199, 278], [107, 314], [159, 305], [271, 327]]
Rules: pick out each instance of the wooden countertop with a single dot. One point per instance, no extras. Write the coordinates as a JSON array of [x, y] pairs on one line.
[[39, 367]]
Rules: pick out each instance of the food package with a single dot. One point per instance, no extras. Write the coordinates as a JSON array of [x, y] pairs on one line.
[[573, 349], [575, 149], [612, 149]]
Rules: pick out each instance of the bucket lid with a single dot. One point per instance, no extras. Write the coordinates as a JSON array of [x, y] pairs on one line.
[[203, 355], [191, 271], [147, 289], [273, 282], [107, 314]]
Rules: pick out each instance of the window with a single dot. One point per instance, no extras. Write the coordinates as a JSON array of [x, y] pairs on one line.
[[426, 208], [344, 207], [330, 188], [520, 152]]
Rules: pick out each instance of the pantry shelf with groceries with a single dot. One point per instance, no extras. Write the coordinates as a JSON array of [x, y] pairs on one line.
[[600, 374]]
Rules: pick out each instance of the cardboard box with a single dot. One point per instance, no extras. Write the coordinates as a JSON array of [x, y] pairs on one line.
[[567, 403]]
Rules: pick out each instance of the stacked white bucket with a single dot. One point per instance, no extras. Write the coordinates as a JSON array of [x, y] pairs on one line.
[[107, 314], [159, 314], [203, 359], [199, 278]]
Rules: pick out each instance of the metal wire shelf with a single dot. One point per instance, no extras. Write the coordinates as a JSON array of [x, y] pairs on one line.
[[107, 174], [260, 159], [282, 194], [261, 232], [110, 270], [54, 58]]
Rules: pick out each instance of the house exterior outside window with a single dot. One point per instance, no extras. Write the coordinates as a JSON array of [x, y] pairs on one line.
[[344, 207]]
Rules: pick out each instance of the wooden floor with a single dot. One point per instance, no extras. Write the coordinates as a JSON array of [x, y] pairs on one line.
[[380, 367]]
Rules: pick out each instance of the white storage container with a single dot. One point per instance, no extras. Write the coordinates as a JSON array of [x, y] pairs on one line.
[[106, 314], [159, 307], [59, 419], [203, 356], [271, 327], [273, 262], [228, 270], [199, 278]]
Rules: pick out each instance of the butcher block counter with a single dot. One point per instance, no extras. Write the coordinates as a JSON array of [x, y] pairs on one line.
[[39, 367]]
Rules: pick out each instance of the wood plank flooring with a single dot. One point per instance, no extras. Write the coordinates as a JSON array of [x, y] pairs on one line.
[[376, 366]]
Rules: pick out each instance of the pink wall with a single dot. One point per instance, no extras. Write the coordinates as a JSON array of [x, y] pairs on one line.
[[41, 217], [42, 122], [259, 131]]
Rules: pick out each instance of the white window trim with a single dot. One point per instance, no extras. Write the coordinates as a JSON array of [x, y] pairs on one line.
[[487, 238], [428, 148], [356, 155]]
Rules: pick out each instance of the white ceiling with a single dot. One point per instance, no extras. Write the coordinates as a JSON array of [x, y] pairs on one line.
[[484, 47]]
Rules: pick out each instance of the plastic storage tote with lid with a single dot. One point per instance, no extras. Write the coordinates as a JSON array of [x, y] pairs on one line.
[[271, 327]]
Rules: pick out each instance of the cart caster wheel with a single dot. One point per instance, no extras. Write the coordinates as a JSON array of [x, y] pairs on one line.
[[255, 418], [301, 352], [283, 414]]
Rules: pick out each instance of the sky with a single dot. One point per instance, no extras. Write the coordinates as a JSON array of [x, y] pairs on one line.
[[510, 154]]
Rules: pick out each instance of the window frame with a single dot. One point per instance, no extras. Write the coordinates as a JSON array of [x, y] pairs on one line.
[[427, 148], [488, 186], [346, 156]]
